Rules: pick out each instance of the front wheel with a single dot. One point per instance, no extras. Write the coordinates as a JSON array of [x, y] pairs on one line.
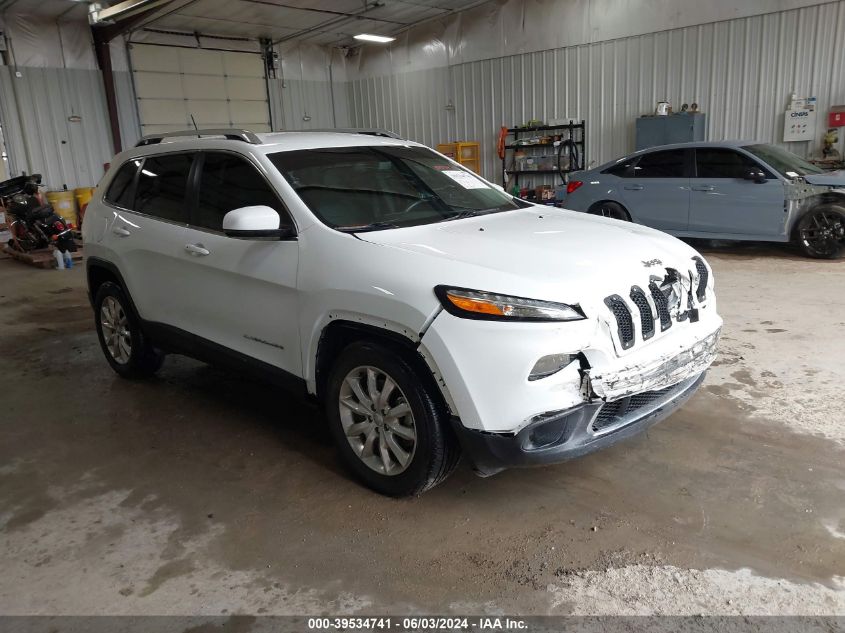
[[390, 429], [821, 232], [125, 346]]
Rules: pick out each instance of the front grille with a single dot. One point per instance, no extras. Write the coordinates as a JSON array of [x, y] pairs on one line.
[[624, 322], [703, 277], [615, 414], [646, 318], [662, 306]]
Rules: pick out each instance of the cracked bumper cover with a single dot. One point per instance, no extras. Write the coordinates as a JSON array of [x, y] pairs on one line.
[[563, 435], [656, 374], [570, 434]]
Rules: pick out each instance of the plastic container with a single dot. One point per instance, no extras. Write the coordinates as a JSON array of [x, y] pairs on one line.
[[83, 196], [64, 204]]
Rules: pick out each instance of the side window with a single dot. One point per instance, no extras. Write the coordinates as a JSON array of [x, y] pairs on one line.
[[666, 164], [162, 185], [722, 163], [622, 169], [120, 190], [229, 182]]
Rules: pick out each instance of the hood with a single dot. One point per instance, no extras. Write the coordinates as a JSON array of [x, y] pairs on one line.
[[564, 255], [830, 179]]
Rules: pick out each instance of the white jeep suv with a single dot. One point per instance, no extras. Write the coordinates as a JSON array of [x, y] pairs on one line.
[[429, 311]]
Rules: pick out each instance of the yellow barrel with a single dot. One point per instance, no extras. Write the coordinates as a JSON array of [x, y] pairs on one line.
[[83, 196], [63, 204]]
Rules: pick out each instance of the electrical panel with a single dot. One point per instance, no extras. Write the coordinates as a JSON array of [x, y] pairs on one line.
[[799, 121]]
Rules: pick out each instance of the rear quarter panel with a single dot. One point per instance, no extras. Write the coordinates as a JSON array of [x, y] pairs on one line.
[[597, 187]]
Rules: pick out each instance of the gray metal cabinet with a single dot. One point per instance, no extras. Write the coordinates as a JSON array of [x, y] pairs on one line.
[[673, 128]]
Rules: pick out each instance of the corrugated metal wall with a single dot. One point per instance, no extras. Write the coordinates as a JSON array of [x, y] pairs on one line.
[[741, 72], [39, 137], [297, 100], [127, 109]]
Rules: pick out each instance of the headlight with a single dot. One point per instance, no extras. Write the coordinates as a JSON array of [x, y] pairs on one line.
[[488, 306]]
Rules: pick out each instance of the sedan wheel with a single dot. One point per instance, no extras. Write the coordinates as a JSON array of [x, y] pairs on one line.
[[821, 233], [377, 420], [610, 209]]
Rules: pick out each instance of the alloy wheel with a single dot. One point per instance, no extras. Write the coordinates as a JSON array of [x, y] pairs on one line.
[[825, 233], [377, 420], [116, 330]]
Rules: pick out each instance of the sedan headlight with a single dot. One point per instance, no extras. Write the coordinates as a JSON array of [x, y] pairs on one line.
[[488, 306]]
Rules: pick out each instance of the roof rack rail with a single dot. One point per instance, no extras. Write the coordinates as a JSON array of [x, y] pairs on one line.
[[232, 134], [370, 131]]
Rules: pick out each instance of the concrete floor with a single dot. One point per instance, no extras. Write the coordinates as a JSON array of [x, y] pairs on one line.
[[201, 493]]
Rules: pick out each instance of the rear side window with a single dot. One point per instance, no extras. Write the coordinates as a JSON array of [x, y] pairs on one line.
[[722, 163], [120, 190], [623, 169], [162, 185], [230, 182], [665, 164]]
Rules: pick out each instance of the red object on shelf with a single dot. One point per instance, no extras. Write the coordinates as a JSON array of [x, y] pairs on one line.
[[836, 116]]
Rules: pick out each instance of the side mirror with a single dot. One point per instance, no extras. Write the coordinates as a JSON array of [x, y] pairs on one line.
[[755, 175], [258, 222]]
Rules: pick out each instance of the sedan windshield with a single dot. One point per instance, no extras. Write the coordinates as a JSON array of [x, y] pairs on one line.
[[372, 188], [787, 163]]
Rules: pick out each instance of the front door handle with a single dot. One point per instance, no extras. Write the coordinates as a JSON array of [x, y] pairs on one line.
[[703, 188], [120, 231], [197, 249], [634, 187]]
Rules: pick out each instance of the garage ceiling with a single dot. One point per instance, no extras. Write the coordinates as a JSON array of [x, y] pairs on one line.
[[326, 22]]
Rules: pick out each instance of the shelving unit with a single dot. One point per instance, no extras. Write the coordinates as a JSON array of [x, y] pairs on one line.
[[511, 175]]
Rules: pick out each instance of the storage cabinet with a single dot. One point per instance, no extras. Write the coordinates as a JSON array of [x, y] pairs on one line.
[[467, 153], [673, 128]]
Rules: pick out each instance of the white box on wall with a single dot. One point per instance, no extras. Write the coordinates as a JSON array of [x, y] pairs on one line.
[[799, 121]]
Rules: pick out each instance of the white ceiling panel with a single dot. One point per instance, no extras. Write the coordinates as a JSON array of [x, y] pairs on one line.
[[314, 21]]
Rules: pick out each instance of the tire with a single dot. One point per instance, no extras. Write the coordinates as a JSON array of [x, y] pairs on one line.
[[433, 453], [125, 346], [821, 232], [610, 209]]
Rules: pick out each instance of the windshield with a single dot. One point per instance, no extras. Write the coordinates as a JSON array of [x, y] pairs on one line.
[[787, 163], [379, 187]]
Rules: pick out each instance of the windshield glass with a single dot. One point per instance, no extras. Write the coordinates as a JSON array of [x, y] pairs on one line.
[[787, 163], [379, 187]]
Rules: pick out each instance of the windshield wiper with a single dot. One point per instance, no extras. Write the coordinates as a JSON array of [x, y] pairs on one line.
[[470, 213], [363, 228]]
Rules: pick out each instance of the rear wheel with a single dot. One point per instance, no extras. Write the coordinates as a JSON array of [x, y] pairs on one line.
[[610, 209], [126, 348], [821, 232], [390, 429]]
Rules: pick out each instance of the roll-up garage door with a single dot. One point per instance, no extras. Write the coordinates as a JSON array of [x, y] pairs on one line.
[[219, 88]]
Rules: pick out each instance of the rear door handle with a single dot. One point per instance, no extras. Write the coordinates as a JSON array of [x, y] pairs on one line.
[[121, 232], [634, 187], [703, 188], [197, 249]]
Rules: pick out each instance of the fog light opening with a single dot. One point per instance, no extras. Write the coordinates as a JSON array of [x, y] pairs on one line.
[[549, 365]]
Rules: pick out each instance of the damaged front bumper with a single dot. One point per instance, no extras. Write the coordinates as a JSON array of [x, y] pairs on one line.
[[566, 435], [622, 402], [656, 373]]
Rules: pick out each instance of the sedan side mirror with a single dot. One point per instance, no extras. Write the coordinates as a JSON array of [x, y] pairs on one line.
[[258, 222], [755, 175]]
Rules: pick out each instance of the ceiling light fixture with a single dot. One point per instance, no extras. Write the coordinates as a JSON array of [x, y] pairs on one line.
[[381, 39]]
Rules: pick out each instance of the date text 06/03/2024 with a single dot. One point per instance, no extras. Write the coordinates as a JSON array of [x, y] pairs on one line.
[[408, 624]]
